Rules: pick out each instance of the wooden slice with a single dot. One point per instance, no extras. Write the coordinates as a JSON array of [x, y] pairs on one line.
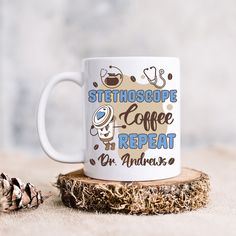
[[186, 192]]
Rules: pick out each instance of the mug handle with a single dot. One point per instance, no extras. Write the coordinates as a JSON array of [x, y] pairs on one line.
[[46, 145]]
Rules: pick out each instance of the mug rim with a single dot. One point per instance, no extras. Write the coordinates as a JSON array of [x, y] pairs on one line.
[[128, 57]]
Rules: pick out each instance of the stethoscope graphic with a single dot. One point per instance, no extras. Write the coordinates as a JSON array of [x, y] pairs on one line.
[[154, 80], [102, 74]]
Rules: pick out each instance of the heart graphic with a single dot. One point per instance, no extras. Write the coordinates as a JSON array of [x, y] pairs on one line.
[[100, 114]]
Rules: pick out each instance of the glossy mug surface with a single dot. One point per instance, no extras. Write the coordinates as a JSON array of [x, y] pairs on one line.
[[132, 118]]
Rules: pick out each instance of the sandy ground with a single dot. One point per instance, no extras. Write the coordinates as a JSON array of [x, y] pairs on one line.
[[53, 218]]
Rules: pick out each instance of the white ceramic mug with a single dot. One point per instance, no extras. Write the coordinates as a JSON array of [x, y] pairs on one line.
[[132, 118]]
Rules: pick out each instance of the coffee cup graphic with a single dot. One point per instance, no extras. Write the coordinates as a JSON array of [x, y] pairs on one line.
[[104, 122]]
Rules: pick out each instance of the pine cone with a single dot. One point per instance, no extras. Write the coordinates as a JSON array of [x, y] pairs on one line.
[[15, 195]]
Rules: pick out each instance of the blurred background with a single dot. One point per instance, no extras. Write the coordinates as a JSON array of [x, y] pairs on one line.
[[41, 38]]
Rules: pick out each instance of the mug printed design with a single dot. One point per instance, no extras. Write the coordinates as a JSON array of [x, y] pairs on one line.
[[153, 79], [111, 79], [133, 116], [104, 122]]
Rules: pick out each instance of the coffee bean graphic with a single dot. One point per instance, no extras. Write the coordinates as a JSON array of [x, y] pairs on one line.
[[171, 161], [92, 162], [96, 147], [95, 84], [170, 76], [133, 79]]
